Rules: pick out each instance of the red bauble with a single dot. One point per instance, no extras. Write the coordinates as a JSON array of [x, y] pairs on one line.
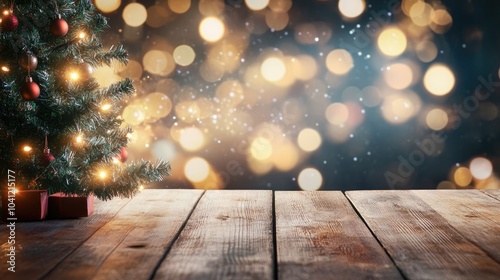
[[30, 90], [9, 22], [59, 27], [123, 154], [46, 158]]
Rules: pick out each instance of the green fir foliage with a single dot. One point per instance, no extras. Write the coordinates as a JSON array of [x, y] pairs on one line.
[[65, 109]]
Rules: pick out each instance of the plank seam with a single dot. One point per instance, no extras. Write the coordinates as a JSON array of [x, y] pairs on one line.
[[176, 236], [374, 235], [83, 242], [490, 195], [275, 246]]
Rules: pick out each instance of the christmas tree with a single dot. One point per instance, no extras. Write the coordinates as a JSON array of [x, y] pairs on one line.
[[58, 129]]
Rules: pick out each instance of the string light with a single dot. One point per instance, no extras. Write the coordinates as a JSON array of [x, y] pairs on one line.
[[116, 160], [106, 107], [82, 35], [73, 75], [102, 174], [5, 69], [27, 149], [6, 12], [141, 188], [79, 139]]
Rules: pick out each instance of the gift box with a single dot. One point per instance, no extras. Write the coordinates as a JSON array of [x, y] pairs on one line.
[[25, 205], [62, 206]]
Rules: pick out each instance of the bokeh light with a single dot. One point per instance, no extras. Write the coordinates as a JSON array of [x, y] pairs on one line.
[[436, 119], [481, 168], [179, 6], [196, 169], [462, 176], [184, 55], [309, 139], [211, 29], [135, 14], [108, 6], [339, 62], [310, 179], [192, 139], [439, 80], [257, 5], [392, 41], [273, 69], [398, 75], [351, 8]]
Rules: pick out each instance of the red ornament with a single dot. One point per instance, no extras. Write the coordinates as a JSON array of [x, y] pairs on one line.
[[45, 158], [59, 27], [9, 22], [123, 154], [30, 90]]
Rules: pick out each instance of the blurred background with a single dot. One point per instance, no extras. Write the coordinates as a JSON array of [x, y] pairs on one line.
[[312, 94]]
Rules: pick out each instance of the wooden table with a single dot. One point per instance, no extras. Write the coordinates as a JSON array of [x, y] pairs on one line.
[[258, 234]]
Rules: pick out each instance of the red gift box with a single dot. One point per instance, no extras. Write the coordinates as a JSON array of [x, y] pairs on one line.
[[63, 206], [26, 205]]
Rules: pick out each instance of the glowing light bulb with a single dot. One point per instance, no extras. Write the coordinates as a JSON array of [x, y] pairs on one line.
[[82, 35], [27, 149], [141, 188], [106, 107], [74, 76], [102, 174], [79, 139], [5, 69]]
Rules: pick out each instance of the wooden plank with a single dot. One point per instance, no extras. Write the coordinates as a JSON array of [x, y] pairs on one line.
[[474, 214], [229, 236], [421, 242], [493, 193], [134, 241], [41, 245], [319, 235]]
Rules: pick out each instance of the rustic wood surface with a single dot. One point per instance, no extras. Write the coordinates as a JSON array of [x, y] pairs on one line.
[[229, 235], [318, 235], [258, 234], [420, 241]]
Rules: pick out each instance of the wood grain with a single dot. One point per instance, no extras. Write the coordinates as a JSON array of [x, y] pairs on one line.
[[474, 214], [319, 236], [134, 241], [493, 193], [229, 236], [41, 245], [421, 242]]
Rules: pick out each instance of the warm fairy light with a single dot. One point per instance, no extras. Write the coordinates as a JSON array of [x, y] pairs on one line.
[[116, 160], [439, 80], [351, 8], [141, 188], [309, 139], [135, 14], [6, 12], [79, 139], [5, 69], [102, 174], [106, 107], [392, 41], [108, 6], [257, 5], [310, 179], [211, 29], [196, 169], [82, 35], [27, 149], [74, 76], [337, 113], [273, 69], [481, 168]]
